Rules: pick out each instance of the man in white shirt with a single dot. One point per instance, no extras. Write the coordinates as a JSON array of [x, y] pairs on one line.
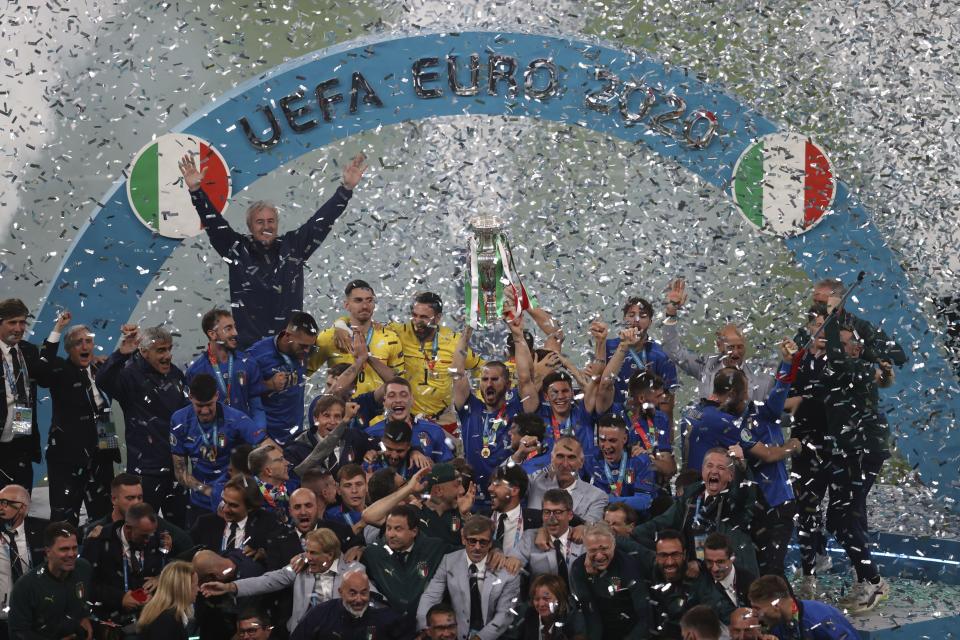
[[732, 582], [564, 473]]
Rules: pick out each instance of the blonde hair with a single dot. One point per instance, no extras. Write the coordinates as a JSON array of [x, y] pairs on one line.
[[327, 539], [174, 591]]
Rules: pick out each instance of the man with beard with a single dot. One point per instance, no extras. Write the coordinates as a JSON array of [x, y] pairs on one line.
[[271, 470], [401, 568], [238, 377], [716, 503], [305, 515], [564, 473], [672, 591], [508, 492], [282, 362], [785, 617], [624, 477], [139, 375], [22, 369], [397, 452], [640, 352], [731, 351], [81, 446], [266, 269], [352, 616], [485, 424], [429, 354], [205, 432], [430, 438], [382, 343], [610, 587]]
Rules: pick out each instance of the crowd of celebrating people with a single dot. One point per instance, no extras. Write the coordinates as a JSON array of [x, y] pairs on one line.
[[429, 491]]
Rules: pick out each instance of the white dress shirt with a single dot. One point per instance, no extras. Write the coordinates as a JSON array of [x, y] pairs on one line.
[[323, 582], [729, 586], [241, 534], [512, 527]]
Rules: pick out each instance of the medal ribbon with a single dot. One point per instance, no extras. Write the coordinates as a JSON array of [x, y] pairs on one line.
[[641, 360], [489, 437], [211, 443], [556, 426], [616, 486], [224, 387], [639, 430], [432, 361]]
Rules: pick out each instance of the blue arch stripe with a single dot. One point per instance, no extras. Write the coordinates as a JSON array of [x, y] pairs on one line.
[[114, 242]]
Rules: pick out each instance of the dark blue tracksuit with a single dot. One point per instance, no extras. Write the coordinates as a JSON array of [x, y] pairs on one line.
[[818, 621], [148, 400], [266, 282]]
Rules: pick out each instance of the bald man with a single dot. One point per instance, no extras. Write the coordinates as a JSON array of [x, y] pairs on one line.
[[731, 351], [352, 615], [21, 542], [217, 616]]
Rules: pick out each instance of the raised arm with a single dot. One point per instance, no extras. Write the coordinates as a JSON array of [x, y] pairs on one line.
[[461, 381], [691, 363], [529, 394], [327, 444], [108, 377], [221, 234], [606, 388], [377, 512], [313, 232]]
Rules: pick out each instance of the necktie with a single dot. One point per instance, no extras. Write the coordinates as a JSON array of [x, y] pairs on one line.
[[402, 557], [19, 375], [476, 607], [561, 560], [501, 527], [16, 565], [232, 538]]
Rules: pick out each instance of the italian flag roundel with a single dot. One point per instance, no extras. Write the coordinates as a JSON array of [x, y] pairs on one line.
[[783, 183], [156, 191]]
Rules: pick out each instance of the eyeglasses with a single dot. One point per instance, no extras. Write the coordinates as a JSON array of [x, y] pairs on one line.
[[553, 513], [10, 503], [249, 631], [478, 542], [675, 554]]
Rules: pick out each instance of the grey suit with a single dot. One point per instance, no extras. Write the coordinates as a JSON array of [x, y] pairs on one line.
[[303, 586], [498, 593], [588, 500], [540, 562], [704, 367]]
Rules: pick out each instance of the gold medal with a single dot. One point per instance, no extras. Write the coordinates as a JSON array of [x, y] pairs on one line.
[[485, 452]]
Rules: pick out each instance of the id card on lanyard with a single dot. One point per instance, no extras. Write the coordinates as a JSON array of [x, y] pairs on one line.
[[22, 418]]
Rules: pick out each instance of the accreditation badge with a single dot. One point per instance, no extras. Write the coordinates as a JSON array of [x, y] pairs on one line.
[[22, 424], [699, 544]]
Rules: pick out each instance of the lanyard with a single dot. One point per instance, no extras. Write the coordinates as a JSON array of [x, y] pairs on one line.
[[12, 380], [616, 486], [556, 425], [696, 511], [211, 443], [346, 516], [89, 391], [224, 387], [432, 362], [639, 430], [489, 436], [641, 360], [369, 336]]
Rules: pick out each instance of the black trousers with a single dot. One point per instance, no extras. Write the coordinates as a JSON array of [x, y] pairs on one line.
[[811, 487], [16, 467], [852, 477], [72, 485], [164, 494], [771, 529]]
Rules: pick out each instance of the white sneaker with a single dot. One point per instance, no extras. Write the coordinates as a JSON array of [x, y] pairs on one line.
[[808, 588], [865, 596], [822, 564]]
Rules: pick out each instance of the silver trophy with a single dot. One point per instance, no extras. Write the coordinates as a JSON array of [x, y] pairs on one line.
[[486, 230]]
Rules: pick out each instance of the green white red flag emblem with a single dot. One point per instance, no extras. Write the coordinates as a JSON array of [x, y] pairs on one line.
[[155, 187], [783, 183]]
